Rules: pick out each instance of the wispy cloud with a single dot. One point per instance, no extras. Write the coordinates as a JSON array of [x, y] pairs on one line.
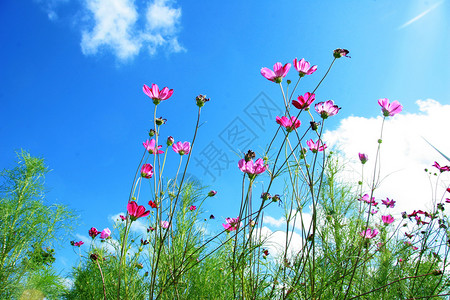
[[420, 16]]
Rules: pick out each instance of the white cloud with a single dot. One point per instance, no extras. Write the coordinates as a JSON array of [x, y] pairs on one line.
[[404, 153], [114, 25], [275, 242]]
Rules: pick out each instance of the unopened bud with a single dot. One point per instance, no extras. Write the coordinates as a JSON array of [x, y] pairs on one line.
[[160, 121], [170, 141]]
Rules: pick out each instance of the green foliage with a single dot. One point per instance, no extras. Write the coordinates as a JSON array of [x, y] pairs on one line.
[[29, 230]]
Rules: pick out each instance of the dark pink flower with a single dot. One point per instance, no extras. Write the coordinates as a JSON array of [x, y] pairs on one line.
[[278, 73], [363, 158], [303, 102], [192, 207], [78, 244], [212, 193], [182, 148], [316, 146], [303, 67], [136, 211], [369, 233], [389, 109], [106, 233], [123, 217], [373, 211], [151, 147], [147, 171], [447, 200], [289, 124], [338, 53], [93, 232], [252, 168], [327, 109], [441, 169], [388, 203], [152, 204], [231, 224], [157, 95], [387, 219]]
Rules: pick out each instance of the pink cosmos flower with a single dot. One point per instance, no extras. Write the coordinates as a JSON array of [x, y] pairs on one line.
[[192, 207], [373, 211], [327, 109], [157, 95], [182, 148], [447, 200], [363, 158], [369, 233], [78, 244], [123, 217], [231, 224], [252, 168], [315, 146], [150, 146], [165, 224], [93, 232], [302, 66], [366, 198], [387, 219], [389, 109], [303, 102], [278, 73], [147, 171], [106, 233], [388, 203], [289, 124], [136, 211], [441, 169], [152, 204]]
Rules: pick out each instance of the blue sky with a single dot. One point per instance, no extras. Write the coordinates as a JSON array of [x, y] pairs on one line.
[[71, 76]]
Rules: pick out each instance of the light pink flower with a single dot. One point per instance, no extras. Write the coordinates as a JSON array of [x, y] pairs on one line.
[[192, 207], [389, 109], [369, 233], [316, 146], [388, 203], [252, 168], [303, 102], [366, 198], [231, 224], [165, 224], [157, 95], [147, 171], [150, 146], [182, 148], [373, 211], [136, 211], [278, 73], [303, 67], [387, 219], [289, 124], [327, 109], [106, 233], [363, 158]]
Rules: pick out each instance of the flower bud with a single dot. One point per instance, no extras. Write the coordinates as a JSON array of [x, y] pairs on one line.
[[170, 141], [160, 121], [276, 198], [201, 100], [266, 196], [151, 132], [212, 193], [93, 256], [288, 81], [249, 156], [363, 158], [338, 53]]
